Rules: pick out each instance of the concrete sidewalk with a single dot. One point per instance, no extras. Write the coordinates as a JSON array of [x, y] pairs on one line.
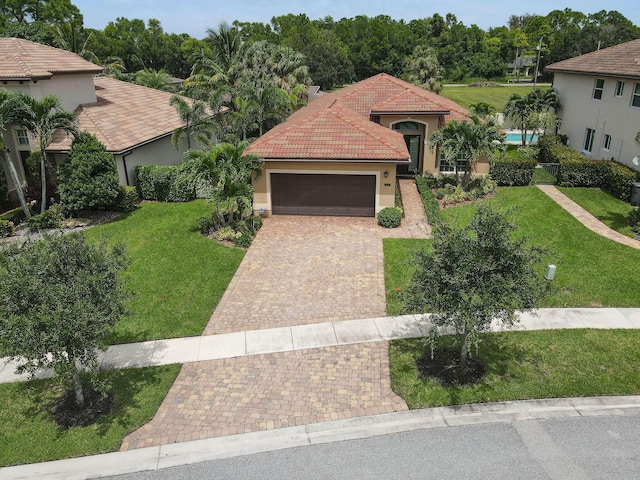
[[187, 453], [319, 335]]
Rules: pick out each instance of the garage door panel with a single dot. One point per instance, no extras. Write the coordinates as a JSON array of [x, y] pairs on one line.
[[323, 194]]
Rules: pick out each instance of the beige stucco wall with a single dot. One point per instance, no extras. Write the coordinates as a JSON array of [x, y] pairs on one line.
[[385, 187], [159, 152], [610, 115], [72, 90]]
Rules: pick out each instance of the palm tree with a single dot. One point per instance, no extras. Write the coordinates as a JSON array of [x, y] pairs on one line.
[[468, 140], [482, 109], [158, 79], [231, 170], [269, 103], [71, 36], [527, 110], [43, 118], [196, 121], [10, 111], [424, 69]]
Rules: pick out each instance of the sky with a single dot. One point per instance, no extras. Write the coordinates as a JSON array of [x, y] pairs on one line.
[[196, 16]]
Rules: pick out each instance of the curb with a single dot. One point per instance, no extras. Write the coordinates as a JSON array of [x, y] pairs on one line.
[[186, 453]]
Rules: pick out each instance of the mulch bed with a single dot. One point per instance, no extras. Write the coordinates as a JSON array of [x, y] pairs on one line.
[[445, 369], [67, 413]]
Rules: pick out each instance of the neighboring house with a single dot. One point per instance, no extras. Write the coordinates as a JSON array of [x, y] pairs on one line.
[[600, 102], [135, 123], [521, 66], [340, 154]]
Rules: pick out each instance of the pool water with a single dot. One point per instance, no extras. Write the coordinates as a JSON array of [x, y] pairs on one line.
[[517, 137]]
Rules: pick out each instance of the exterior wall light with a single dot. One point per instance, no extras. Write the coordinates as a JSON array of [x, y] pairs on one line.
[[386, 174]]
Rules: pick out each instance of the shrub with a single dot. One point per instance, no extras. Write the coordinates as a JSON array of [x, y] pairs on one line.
[[429, 202], [512, 171], [204, 225], [226, 233], [4, 189], [620, 179], [6, 228], [51, 218], [127, 199], [243, 241], [88, 178], [634, 219], [545, 142], [256, 224], [175, 183], [390, 217]]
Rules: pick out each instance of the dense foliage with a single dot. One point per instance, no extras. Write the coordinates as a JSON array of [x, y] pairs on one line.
[[512, 171], [88, 177], [335, 51]]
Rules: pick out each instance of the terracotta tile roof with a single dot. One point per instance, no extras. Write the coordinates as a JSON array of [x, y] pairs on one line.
[[335, 133], [620, 60], [338, 126], [125, 116], [22, 59]]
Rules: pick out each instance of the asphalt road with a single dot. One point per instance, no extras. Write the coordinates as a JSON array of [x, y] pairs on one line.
[[585, 448]]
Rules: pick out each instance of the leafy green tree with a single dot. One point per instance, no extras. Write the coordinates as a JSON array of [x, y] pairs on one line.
[[46, 11], [11, 109], [469, 140], [197, 121], [424, 70], [43, 118], [88, 177], [476, 275], [61, 298]]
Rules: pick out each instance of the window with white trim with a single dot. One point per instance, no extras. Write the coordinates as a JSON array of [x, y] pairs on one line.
[[598, 88], [619, 88], [606, 142], [22, 136], [588, 139], [635, 98], [451, 166]]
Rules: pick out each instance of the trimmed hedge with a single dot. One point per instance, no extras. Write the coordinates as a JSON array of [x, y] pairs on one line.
[[620, 180], [512, 171], [173, 183], [429, 202]]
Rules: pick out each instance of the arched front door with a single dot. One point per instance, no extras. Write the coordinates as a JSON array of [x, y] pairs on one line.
[[414, 140]]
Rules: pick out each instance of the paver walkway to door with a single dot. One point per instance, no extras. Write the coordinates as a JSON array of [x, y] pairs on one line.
[[298, 271]]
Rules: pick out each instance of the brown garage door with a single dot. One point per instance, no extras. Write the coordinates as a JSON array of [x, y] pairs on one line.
[[323, 194]]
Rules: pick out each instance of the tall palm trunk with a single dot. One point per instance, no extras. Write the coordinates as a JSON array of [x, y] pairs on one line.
[[16, 183], [43, 179]]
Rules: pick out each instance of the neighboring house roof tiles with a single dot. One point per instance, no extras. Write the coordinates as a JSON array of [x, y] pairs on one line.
[[337, 126], [125, 116], [620, 60], [23, 59]]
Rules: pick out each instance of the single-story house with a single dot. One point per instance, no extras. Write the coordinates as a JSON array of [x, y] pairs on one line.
[[341, 154], [135, 123]]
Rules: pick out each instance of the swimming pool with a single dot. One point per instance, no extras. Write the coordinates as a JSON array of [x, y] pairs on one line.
[[516, 137]]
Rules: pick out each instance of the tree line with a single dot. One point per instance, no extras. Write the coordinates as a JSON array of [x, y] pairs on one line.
[[335, 51]]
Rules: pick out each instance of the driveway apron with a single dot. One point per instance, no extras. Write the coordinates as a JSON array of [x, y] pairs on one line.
[[299, 270]]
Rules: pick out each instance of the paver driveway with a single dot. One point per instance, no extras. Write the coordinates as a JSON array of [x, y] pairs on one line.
[[302, 270], [299, 270]]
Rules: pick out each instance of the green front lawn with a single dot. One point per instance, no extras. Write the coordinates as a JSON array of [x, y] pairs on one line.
[[607, 208], [178, 275], [591, 271], [496, 96], [29, 434], [525, 365]]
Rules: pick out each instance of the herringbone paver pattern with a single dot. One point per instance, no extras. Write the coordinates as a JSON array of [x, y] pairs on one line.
[[239, 395]]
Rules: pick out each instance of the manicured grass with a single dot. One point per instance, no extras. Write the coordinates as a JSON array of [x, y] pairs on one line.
[[30, 435], [524, 365], [177, 274], [592, 271], [398, 268], [610, 210], [496, 96]]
